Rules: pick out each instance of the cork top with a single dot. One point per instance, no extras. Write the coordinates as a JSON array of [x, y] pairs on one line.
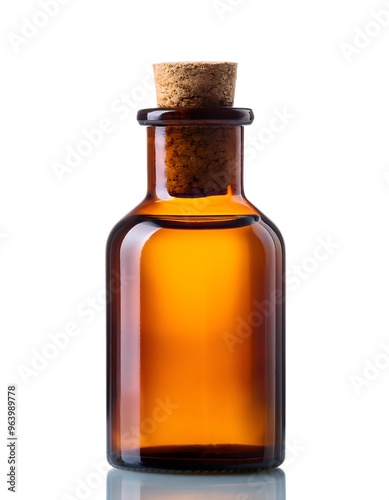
[[195, 84]]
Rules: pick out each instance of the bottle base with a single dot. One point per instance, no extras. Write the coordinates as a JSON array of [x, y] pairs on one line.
[[197, 458]]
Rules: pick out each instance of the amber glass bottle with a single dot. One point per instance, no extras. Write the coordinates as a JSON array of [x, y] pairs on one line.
[[195, 309]]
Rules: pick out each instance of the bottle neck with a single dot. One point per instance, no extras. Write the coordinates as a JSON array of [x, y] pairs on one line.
[[195, 161], [191, 162]]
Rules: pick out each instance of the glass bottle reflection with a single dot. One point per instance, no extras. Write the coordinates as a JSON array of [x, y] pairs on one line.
[[128, 485]]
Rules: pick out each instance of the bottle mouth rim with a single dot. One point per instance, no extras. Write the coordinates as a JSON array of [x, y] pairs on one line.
[[195, 116]]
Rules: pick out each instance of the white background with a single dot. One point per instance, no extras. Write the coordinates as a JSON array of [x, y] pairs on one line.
[[324, 177]]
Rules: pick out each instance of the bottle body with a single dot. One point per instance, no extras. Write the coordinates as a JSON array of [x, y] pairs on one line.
[[195, 337]]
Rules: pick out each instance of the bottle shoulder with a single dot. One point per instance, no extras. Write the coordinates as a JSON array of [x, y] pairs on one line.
[[122, 227], [135, 230], [212, 212], [268, 226], [202, 206], [272, 229]]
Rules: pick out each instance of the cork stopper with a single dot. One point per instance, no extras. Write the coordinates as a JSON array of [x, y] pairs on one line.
[[195, 84], [200, 160]]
